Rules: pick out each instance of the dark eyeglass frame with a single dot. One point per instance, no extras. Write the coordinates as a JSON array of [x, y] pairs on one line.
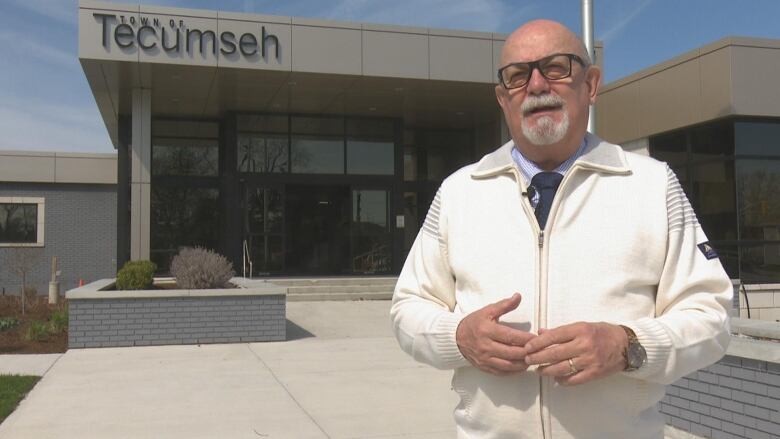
[[538, 66]]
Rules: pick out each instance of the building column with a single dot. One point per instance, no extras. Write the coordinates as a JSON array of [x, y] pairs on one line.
[[140, 178], [125, 130]]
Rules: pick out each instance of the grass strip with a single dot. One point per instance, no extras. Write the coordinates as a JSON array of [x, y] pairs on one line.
[[13, 388]]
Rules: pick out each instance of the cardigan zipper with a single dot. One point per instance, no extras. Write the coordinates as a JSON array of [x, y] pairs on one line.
[[541, 290], [529, 210], [543, 272], [542, 322]]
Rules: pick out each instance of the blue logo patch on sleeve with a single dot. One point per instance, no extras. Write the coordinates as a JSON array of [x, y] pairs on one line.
[[708, 250]]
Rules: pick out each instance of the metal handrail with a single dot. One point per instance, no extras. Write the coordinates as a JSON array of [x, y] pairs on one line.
[[371, 261], [247, 259]]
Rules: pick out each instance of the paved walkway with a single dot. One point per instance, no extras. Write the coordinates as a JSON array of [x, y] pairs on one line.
[[27, 364], [341, 375]]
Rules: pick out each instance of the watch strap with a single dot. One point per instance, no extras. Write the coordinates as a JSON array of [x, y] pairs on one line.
[[632, 341]]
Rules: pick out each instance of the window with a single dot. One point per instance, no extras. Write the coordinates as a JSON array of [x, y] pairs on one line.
[[371, 235], [185, 147], [185, 190], [370, 147], [446, 152], [670, 148], [712, 193], [273, 143], [317, 145], [758, 138], [259, 152], [712, 141], [21, 222], [730, 170], [264, 228], [181, 156], [317, 155], [182, 216], [410, 164], [411, 221], [759, 209], [263, 144]]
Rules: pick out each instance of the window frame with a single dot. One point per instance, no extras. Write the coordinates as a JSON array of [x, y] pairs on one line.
[[39, 224]]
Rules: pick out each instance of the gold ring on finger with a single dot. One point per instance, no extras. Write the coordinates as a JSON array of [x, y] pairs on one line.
[[572, 368]]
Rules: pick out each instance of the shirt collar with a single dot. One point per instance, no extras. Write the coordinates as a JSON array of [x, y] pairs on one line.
[[599, 156], [529, 169]]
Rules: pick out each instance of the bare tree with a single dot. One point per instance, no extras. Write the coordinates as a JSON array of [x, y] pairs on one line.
[[22, 260]]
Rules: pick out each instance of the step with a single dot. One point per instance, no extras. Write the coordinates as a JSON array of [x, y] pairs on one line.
[[329, 281], [320, 297], [346, 289]]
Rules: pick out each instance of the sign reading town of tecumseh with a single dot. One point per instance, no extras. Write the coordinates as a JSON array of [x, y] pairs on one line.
[[196, 40]]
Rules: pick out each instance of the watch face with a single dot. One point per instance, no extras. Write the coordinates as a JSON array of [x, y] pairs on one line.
[[636, 355]]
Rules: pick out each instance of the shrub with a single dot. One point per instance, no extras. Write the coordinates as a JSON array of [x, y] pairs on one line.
[[31, 294], [38, 331], [31, 299], [8, 323], [197, 268], [136, 275], [59, 321]]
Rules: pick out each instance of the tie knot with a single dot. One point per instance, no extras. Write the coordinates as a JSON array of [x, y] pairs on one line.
[[547, 180]]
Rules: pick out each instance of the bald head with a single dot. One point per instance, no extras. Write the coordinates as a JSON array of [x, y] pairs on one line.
[[539, 38]]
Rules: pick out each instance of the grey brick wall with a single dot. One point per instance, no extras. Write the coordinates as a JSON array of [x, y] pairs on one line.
[[80, 229], [176, 320], [734, 398]]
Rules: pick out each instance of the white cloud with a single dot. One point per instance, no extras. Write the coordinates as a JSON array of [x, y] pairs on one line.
[[44, 126], [26, 47], [617, 27], [64, 11], [453, 14], [481, 15]]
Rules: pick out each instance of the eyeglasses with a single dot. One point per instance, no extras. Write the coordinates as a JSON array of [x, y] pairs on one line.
[[554, 67]]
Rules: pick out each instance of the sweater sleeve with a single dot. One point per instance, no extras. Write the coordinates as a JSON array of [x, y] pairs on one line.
[[423, 309], [691, 327]]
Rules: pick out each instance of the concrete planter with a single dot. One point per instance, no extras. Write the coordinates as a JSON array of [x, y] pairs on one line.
[[100, 316], [737, 397]]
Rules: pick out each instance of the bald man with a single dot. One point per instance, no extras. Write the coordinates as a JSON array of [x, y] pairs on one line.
[[564, 280]]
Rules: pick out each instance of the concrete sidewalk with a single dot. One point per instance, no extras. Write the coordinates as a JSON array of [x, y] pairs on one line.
[[341, 375], [26, 364]]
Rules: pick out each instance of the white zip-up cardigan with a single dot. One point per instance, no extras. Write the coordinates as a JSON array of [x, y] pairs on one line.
[[620, 246]]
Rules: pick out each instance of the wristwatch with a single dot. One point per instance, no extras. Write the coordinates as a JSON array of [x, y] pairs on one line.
[[635, 353]]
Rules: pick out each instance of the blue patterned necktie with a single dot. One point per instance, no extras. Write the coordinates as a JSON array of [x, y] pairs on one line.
[[545, 183]]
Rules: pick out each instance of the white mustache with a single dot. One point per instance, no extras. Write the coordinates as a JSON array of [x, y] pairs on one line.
[[532, 102]]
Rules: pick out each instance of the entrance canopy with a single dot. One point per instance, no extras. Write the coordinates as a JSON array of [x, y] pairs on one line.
[[199, 63]]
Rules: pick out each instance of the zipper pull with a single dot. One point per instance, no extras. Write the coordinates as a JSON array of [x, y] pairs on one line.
[[541, 239]]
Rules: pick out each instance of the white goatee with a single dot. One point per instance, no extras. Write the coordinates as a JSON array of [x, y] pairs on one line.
[[546, 131]]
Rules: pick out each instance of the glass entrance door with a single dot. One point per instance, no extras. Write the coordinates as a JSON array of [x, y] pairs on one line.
[[371, 237], [264, 229], [296, 229], [317, 229]]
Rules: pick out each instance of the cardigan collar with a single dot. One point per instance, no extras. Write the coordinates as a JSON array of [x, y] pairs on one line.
[[599, 156]]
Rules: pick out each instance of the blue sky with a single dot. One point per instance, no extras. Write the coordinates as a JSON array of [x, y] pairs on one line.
[[46, 104]]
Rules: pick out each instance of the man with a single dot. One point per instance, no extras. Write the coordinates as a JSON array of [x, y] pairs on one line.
[[564, 280]]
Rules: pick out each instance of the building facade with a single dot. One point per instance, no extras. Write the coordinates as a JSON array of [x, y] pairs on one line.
[[713, 117], [307, 147], [59, 205]]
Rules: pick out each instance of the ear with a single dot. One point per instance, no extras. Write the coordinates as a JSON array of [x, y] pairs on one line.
[[593, 81], [502, 96]]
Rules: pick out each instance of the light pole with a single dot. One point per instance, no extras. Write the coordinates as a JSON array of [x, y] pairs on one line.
[[587, 38]]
